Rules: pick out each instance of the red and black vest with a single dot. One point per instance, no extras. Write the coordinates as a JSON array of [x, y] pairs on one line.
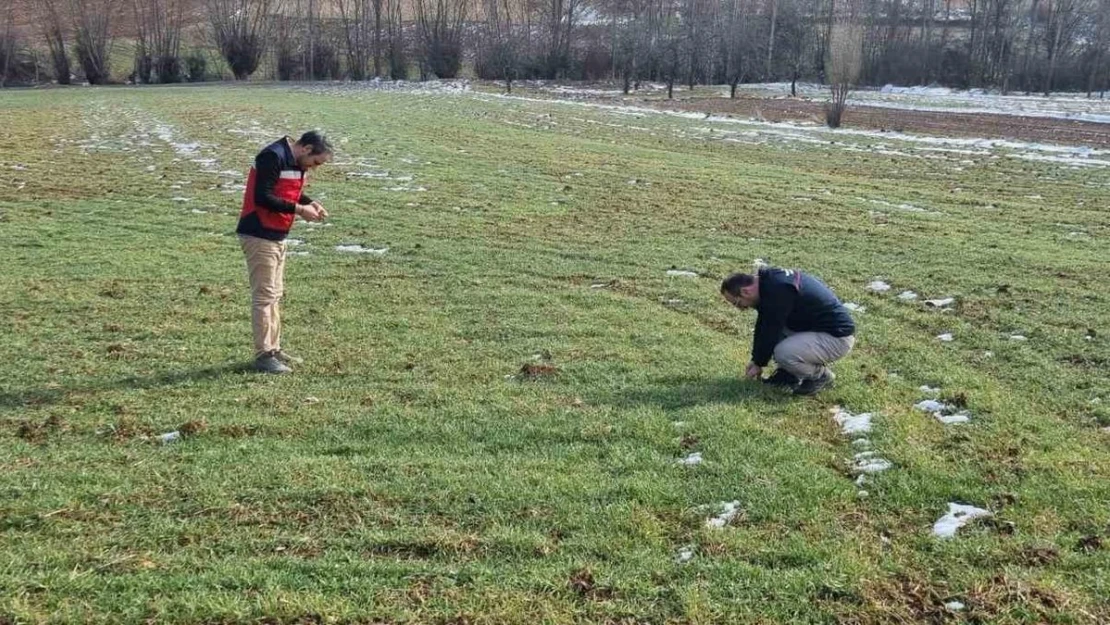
[[265, 221]]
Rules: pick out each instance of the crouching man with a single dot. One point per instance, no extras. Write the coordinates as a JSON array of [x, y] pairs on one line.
[[800, 322]]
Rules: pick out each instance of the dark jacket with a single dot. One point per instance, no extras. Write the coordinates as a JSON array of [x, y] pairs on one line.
[[795, 301]]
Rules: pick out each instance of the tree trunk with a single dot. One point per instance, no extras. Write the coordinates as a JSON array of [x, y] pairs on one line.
[[1028, 86], [311, 39], [1052, 57], [771, 39]]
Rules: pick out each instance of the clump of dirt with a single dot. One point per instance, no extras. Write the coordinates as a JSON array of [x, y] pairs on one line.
[[689, 441], [538, 371], [583, 584], [1089, 544], [196, 426], [38, 432], [1040, 555], [127, 427]]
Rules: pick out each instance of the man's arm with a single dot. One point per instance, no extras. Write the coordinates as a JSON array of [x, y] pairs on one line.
[[771, 323], [267, 169]]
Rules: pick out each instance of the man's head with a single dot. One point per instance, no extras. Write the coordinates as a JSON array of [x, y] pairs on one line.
[[312, 150], [741, 290]]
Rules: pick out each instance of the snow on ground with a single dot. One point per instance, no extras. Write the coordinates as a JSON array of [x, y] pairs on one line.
[[1072, 106]]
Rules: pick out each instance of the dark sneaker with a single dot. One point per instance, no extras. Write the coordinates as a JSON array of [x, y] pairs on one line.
[[268, 363], [782, 377], [288, 359], [813, 386]]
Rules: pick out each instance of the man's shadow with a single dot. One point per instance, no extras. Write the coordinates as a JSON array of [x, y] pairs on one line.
[[49, 396]]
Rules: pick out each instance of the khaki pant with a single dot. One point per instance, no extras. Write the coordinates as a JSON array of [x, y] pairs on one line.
[[808, 354], [266, 269]]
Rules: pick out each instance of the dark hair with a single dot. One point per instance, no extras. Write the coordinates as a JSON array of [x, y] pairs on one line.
[[735, 282], [317, 141]]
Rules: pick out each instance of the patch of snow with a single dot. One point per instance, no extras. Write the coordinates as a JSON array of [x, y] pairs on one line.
[[358, 249], [878, 286], [852, 424], [932, 405], [691, 460], [677, 273], [953, 419], [940, 303], [871, 465], [907, 296], [958, 516], [685, 554], [1018, 337], [730, 510], [854, 307], [946, 337]]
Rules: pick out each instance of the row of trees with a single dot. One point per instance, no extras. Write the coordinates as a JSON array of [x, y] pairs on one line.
[[1027, 45]]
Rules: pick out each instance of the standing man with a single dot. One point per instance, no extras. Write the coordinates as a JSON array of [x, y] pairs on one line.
[[273, 199], [801, 323]]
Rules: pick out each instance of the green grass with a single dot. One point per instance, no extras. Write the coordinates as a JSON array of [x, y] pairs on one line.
[[421, 485]]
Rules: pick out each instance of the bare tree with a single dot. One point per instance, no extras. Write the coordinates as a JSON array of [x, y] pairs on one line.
[[736, 50], [1101, 41], [845, 58], [1064, 17], [499, 57], [159, 24], [395, 34], [357, 16], [441, 26], [7, 40], [240, 28], [54, 31], [92, 37]]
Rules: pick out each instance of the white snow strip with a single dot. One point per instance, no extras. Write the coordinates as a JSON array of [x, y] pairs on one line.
[[676, 273], [878, 286], [946, 337], [871, 465], [907, 296], [953, 419]]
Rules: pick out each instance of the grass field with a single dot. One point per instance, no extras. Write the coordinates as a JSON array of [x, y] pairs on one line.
[[409, 472]]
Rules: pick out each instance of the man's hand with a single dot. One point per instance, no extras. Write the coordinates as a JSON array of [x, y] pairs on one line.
[[308, 212], [320, 208], [753, 372]]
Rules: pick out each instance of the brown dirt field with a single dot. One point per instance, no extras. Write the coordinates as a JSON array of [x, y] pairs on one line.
[[987, 125]]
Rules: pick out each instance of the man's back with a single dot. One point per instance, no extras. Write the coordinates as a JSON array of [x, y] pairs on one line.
[[807, 304]]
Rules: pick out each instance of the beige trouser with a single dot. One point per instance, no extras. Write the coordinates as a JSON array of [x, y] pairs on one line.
[[808, 354], [266, 269]]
